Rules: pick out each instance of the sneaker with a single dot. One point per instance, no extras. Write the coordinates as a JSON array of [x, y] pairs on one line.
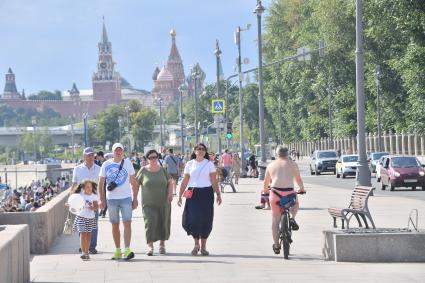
[[93, 251], [85, 257], [294, 224], [117, 255], [128, 254], [259, 207]]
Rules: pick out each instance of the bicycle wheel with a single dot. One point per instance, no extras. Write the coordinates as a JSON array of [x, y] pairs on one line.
[[286, 234]]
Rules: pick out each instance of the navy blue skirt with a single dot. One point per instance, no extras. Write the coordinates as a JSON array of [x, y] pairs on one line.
[[198, 213]]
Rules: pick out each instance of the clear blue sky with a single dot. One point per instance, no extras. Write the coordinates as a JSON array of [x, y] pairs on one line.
[[49, 44]]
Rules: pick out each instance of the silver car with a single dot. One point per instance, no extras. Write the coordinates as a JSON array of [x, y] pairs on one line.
[[323, 161]]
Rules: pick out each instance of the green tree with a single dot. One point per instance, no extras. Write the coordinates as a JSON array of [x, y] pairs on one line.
[[46, 95]]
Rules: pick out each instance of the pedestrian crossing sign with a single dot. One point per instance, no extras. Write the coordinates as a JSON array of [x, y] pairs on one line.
[[218, 106]]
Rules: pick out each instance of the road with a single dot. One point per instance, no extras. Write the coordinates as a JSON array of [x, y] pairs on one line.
[[330, 180]]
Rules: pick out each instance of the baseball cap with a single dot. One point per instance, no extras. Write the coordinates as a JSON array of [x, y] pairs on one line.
[[117, 145], [88, 150]]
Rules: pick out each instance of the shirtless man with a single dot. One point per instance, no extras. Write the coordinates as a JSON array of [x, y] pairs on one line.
[[280, 175]]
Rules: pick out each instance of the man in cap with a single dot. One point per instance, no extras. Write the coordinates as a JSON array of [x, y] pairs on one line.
[[121, 197], [87, 170]]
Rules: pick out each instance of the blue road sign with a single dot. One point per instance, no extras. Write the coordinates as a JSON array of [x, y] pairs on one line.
[[218, 106]]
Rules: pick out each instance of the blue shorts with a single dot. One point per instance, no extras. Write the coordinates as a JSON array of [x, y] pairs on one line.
[[116, 205]]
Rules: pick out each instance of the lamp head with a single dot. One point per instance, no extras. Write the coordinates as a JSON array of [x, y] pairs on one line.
[[259, 9]]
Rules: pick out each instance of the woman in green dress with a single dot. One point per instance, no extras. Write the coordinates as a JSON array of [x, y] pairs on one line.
[[157, 194]]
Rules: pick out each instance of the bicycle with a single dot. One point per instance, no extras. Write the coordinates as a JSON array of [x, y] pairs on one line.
[[285, 229]]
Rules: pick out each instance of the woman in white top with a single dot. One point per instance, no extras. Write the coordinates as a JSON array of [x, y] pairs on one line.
[[200, 178]]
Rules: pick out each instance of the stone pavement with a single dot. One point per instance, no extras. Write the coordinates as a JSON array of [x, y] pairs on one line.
[[240, 247]]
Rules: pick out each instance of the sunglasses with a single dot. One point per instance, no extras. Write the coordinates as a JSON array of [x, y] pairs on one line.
[[201, 148], [152, 157]]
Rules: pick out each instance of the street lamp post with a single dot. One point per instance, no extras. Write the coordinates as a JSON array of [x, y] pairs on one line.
[[72, 139], [259, 9], [195, 76], [363, 173], [240, 75], [217, 53], [34, 122], [86, 144], [119, 128], [378, 106], [161, 135], [182, 88], [127, 109]]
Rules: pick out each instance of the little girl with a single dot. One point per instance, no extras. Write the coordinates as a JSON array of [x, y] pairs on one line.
[[85, 221]]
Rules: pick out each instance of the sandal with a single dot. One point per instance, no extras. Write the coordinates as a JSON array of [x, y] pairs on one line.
[[204, 252], [162, 250], [195, 251], [276, 249], [150, 251], [259, 207]]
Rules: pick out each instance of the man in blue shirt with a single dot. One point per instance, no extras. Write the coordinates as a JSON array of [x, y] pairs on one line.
[[172, 163]]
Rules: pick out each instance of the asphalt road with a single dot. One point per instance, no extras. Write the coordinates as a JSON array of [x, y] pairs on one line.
[[330, 180]]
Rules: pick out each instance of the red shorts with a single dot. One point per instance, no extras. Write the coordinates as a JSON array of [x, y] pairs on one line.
[[276, 209]]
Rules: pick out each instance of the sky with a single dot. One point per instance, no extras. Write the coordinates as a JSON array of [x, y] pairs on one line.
[[49, 44]]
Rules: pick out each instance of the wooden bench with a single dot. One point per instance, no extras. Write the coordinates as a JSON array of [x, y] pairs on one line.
[[358, 208]]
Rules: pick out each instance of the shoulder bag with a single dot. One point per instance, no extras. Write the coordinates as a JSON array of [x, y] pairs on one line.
[[188, 193]]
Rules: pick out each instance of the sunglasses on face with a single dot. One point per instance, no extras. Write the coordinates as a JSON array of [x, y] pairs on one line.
[[201, 148], [152, 157]]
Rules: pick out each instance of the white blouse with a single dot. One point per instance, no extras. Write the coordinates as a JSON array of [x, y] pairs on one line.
[[199, 173]]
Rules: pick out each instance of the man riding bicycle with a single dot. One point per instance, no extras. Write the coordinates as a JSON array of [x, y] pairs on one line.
[[279, 178]]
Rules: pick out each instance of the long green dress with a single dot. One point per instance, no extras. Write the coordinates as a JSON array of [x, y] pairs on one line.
[[155, 206]]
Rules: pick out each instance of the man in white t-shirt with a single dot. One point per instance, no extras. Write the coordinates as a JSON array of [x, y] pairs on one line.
[[87, 170], [121, 196]]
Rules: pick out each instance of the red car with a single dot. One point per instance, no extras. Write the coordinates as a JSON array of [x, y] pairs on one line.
[[402, 171]]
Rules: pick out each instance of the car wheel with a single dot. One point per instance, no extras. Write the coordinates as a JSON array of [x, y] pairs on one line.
[[383, 186], [392, 187], [423, 188], [413, 188], [317, 172], [311, 171]]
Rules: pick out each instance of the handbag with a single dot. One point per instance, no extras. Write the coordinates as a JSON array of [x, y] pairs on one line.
[[188, 194], [67, 228]]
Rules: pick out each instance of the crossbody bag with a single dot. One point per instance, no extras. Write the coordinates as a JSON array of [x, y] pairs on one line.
[[188, 193], [112, 185]]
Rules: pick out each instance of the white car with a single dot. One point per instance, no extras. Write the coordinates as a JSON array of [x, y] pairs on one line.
[[378, 168], [347, 165]]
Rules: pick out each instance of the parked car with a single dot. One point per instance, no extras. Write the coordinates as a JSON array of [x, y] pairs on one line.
[[373, 159], [402, 171], [323, 161], [378, 168], [347, 165]]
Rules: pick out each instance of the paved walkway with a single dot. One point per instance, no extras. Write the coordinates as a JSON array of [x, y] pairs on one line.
[[240, 247]]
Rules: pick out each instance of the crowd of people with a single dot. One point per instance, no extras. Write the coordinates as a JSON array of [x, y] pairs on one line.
[[111, 183], [32, 196]]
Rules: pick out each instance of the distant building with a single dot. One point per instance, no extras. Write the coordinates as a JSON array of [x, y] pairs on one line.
[[108, 88], [166, 81]]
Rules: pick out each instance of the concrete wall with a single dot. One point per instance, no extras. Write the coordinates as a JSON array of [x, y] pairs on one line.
[[14, 254], [45, 224], [374, 247]]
